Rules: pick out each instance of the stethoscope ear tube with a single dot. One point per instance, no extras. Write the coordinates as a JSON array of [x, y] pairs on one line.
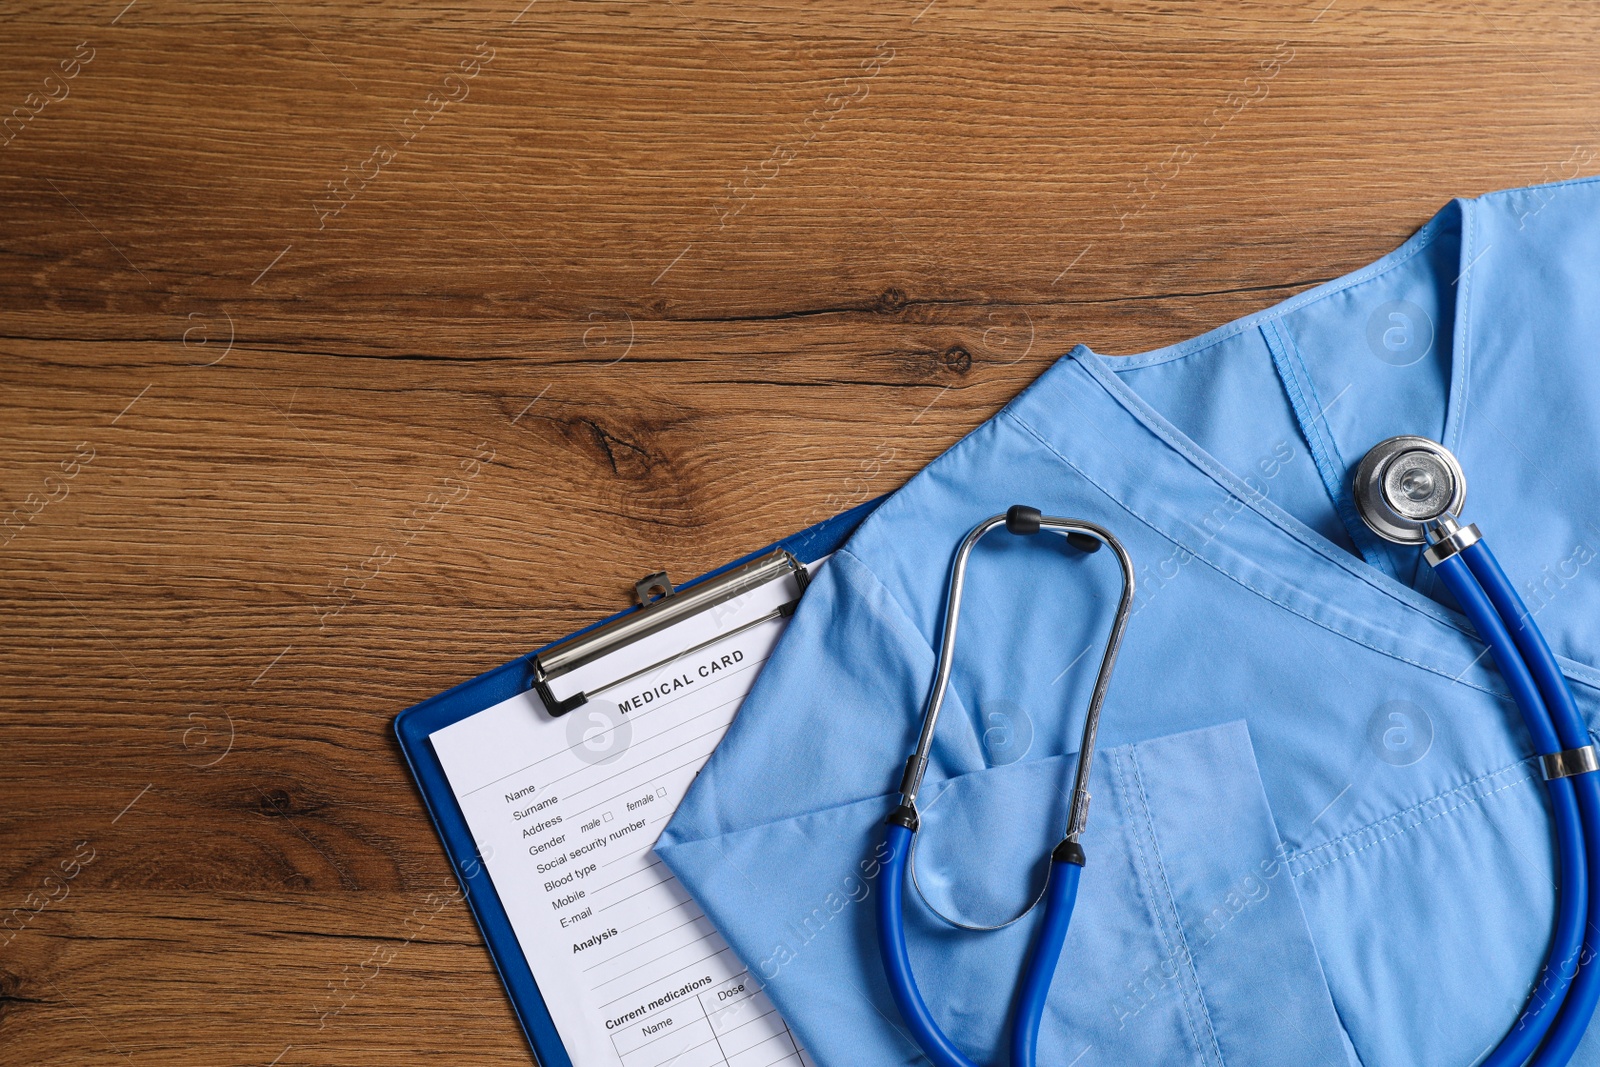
[[1066, 861], [897, 959], [1061, 895]]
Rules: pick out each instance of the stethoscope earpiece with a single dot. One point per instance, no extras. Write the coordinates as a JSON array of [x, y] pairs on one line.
[[1023, 520]]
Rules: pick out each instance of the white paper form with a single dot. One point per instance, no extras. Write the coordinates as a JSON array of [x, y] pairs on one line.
[[565, 812]]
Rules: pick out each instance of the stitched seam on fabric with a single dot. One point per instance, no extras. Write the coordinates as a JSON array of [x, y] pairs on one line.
[[1147, 879], [1463, 787], [1335, 478], [1118, 758], [1177, 918], [1330, 462], [1251, 501], [1214, 565], [1473, 798], [1586, 679], [1463, 320], [1291, 377]]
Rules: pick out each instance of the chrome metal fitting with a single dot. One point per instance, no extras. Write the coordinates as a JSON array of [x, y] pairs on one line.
[[1569, 762], [1447, 537]]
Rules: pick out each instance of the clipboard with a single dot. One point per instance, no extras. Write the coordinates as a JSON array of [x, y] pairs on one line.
[[561, 674]]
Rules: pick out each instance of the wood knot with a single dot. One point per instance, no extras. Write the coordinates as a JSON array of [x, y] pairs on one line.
[[891, 300], [627, 458], [958, 359], [11, 993], [275, 803]]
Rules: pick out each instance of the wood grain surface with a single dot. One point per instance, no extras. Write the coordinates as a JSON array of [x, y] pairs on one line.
[[348, 350]]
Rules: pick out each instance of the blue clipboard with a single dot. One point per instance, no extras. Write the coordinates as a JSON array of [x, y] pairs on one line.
[[413, 727]]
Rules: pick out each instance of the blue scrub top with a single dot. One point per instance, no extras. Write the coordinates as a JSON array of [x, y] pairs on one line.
[[1318, 835]]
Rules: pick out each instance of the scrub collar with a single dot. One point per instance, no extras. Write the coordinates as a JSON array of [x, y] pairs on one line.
[[1458, 217], [1096, 424]]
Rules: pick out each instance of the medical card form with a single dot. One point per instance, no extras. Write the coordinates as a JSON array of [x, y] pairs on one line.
[[565, 811]]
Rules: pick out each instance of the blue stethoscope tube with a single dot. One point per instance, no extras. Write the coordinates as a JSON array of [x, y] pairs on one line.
[[1060, 896], [1058, 903], [1573, 867], [1584, 993], [1410, 490], [1066, 860]]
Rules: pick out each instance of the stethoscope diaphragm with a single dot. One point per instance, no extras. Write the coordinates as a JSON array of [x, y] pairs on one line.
[[1405, 483]]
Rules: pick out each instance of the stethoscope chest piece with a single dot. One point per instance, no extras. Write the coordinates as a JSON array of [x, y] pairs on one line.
[[1405, 483]]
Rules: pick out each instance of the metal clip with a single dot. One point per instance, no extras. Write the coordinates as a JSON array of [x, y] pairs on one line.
[[1569, 762], [662, 606], [652, 587]]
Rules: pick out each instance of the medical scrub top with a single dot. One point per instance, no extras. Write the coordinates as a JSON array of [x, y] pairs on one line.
[[1318, 833]]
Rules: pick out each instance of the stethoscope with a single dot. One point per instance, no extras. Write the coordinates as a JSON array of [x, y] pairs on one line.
[[1408, 490], [1066, 859]]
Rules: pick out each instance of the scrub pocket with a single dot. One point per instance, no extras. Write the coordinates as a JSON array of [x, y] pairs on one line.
[[1434, 921], [1188, 945]]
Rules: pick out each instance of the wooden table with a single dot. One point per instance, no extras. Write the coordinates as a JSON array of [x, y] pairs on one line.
[[352, 349]]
